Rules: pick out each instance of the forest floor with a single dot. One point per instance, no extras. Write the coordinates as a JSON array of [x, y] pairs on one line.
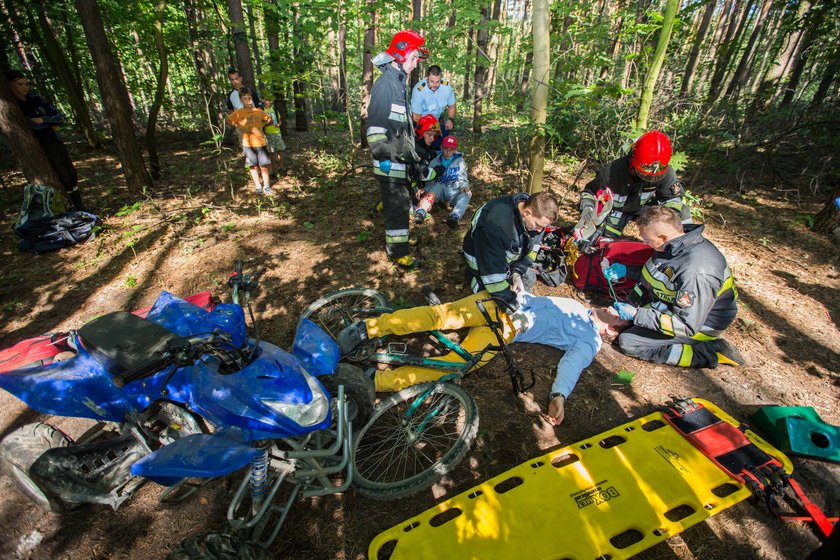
[[317, 235]]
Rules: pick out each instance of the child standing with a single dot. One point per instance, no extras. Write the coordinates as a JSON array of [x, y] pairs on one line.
[[273, 137], [250, 121]]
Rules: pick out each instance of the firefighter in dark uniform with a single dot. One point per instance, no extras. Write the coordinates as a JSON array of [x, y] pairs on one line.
[[390, 136], [502, 243], [428, 130], [689, 297], [641, 178]]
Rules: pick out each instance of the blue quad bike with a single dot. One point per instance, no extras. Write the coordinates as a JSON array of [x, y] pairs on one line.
[[183, 396]]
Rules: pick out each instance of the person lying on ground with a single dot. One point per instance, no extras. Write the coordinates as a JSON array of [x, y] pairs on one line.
[[687, 295], [561, 323]]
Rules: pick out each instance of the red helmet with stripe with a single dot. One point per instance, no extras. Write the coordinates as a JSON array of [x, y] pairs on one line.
[[427, 123], [650, 155], [404, 42]]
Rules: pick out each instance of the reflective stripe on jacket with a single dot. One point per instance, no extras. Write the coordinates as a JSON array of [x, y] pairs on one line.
[[498, 244], [690, 288]]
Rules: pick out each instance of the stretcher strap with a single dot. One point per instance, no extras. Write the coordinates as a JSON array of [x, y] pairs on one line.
[[823, 523], [730, 448]]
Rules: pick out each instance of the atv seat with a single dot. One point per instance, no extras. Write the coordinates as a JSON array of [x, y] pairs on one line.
[[122, 342]]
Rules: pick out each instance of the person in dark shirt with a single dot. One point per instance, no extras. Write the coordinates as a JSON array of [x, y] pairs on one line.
[[641, 178], [44, 119]]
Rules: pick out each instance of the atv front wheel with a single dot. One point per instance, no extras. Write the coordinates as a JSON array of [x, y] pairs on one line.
[[20, 449]]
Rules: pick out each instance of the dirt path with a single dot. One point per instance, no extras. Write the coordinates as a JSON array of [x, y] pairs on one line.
[[316, 236]]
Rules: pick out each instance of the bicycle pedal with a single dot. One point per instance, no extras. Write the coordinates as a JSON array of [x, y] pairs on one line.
[[397, 348]]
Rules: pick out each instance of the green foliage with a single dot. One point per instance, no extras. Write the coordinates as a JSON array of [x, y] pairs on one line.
[[678, 161], [130, 282], [362, 236], [695, 205], [308, 225], [624, 377], [129, 208], [806, 219]]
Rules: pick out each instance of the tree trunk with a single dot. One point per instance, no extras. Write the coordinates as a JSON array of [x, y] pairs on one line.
[[467, 64], [367, 68], [255, 47], [15, 129], [827, 220], [240, 43], [615, 44], [278, 87], [163, 75], [741, 71], [656, 63], [342, 60], [480, 76], [789, 42], [827, 79], [812, 25], [202, 67], [114, 97], [416, 16], [635, 48], [725, 16], [493, 51], [733, 36], [539, 101], [691, 66], [298, 85], [44, 34], [770, 48]]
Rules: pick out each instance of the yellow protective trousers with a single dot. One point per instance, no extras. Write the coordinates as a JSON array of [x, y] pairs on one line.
[[446, 317]]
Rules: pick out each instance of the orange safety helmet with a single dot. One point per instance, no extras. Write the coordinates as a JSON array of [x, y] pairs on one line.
[[404, 42], [426, 123], [650, 155]]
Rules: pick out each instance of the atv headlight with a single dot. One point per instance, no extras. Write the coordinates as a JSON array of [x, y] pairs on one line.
[[304, 414]]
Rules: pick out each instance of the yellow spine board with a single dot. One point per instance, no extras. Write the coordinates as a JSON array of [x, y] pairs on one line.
[[615, 494]]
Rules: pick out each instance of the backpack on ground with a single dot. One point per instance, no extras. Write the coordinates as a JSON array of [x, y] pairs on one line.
[[588, 269], [40, 201], [50, 233]]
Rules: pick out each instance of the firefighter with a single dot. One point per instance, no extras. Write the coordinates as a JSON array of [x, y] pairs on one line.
[[390, 136], [641, 178], [687, 295], [502, 243]]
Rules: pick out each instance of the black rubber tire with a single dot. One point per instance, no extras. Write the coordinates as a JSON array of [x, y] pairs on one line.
[[339, 309], [358, 391], [216, 546], [434, 460], [20, 449]]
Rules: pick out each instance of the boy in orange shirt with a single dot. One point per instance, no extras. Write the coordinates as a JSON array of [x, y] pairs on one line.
[[250, 121]]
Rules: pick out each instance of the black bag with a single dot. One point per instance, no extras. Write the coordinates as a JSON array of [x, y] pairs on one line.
[[51, 233]]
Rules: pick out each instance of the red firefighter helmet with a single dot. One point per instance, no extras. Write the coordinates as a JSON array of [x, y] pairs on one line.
[[426, 123], [650, 155], [404, 42]]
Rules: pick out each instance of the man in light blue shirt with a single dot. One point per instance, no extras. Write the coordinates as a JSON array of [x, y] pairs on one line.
[[434, 96]]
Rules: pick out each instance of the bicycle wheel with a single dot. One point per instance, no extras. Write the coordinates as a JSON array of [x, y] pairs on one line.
[[339, 309], [414, 438]]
